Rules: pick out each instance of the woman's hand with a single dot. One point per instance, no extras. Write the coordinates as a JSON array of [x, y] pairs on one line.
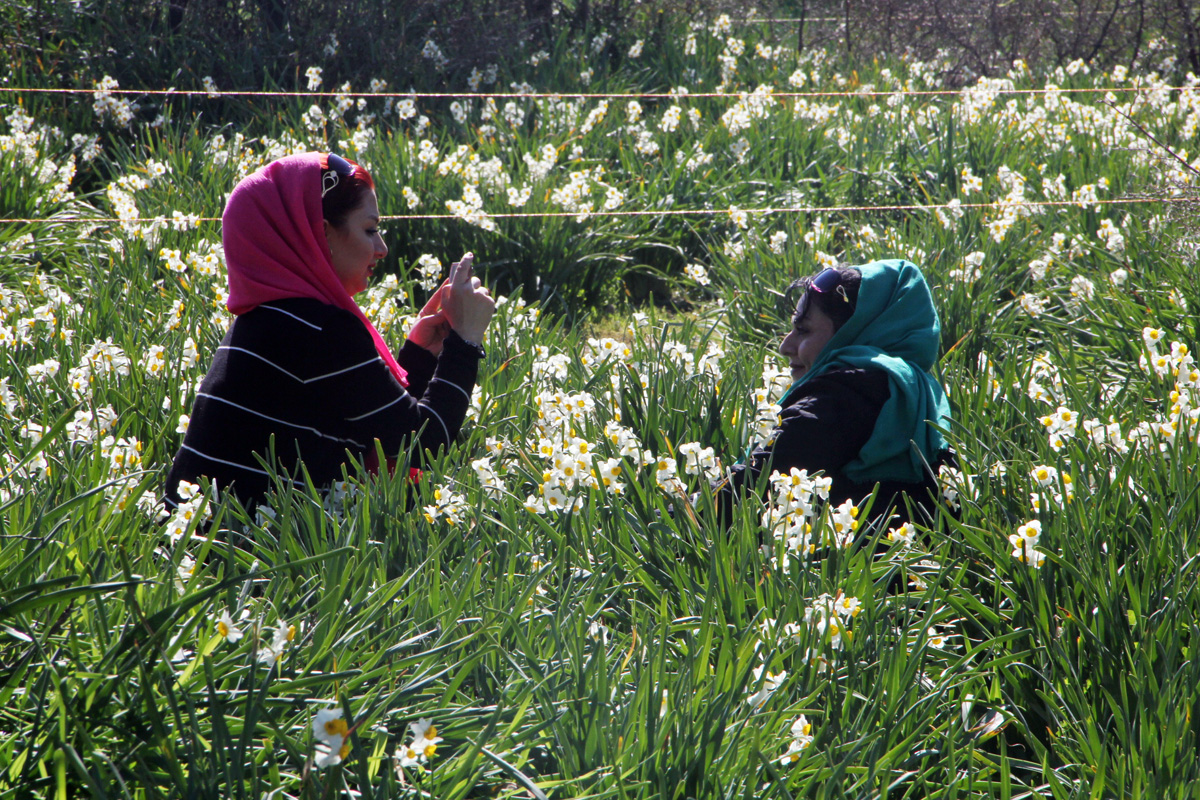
[[431, 326], [466, 303]]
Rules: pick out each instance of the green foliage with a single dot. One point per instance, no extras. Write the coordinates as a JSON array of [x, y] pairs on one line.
[[634, 646]]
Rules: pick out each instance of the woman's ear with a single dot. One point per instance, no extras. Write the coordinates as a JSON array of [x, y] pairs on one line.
[[328, 240]]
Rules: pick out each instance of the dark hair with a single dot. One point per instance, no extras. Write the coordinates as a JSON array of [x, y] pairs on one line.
[[347, 195], [838, 304]]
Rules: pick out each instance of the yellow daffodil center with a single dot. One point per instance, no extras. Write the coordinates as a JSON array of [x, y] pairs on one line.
[[336, 727]]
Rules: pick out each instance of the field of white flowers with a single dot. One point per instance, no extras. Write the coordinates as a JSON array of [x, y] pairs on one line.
[[544, 613]]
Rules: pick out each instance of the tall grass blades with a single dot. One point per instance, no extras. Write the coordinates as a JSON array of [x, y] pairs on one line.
[[555, 608]]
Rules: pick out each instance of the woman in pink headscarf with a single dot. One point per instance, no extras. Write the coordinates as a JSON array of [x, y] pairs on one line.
[[302, 380]]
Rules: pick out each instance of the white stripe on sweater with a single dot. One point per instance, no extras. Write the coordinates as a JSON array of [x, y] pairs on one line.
[[293, 316], [388, 404], [233, 463], [439, 419], [455, 385], [308, 428], [295, 377]]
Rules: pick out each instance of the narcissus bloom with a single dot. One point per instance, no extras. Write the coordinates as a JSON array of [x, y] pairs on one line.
[[332, 735], [1024, 542], [802, 737], [422, 747], [227, 629], [328, 725], [770, 684]]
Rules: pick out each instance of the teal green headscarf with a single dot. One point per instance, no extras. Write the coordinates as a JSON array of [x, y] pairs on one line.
[[894, 328]]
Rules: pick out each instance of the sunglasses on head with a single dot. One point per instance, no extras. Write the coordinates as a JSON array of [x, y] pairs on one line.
[[826, 281], [338, 166]]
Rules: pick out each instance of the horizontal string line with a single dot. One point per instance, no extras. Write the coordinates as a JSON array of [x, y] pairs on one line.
[[600, 95], [663, 213], [902, 18]]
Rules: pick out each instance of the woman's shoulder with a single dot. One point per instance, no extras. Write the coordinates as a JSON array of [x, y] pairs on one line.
[[302, 334], [869, 383], [301, 319], [301, 313], [839, 398]]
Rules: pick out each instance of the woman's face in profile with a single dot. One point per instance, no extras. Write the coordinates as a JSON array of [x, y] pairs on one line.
[[811, 331], [356, 245]]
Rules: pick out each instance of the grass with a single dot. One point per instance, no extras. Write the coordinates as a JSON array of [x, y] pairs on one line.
[[630, 648]]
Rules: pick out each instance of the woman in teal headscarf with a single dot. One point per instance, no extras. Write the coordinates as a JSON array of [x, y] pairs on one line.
[[863, 407]]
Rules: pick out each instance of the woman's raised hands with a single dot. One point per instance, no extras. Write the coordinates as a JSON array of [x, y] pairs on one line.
[[466, 303], [431, 327]]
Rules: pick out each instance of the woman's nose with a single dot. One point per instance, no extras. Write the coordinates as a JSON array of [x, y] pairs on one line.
[[787, 344], [382, 249]]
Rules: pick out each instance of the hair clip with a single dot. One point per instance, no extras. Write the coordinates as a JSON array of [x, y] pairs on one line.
[[329, 180], [337, 166]]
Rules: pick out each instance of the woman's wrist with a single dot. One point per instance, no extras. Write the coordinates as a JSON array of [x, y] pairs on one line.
[[434, 349], [469, 334], [459, 338], [417, 356], [424, 342]]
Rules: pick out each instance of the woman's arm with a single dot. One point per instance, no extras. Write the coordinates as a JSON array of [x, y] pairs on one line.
[[460, 305], [369, 404], [419, 363]]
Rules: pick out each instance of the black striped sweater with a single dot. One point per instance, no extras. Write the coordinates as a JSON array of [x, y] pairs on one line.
[[303, 377]]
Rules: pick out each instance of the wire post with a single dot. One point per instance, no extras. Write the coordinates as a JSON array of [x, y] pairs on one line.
[[800, 27]]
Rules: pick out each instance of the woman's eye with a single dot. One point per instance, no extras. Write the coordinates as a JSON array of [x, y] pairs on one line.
[[372, 231]]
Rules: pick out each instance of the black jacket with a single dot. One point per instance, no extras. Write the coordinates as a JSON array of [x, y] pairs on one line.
[[304, 377], [824, 429]]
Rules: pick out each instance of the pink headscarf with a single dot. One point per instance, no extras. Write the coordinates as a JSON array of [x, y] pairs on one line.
[[275, 244]]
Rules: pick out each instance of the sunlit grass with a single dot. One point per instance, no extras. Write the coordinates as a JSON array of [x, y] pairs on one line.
[[634, 646]]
